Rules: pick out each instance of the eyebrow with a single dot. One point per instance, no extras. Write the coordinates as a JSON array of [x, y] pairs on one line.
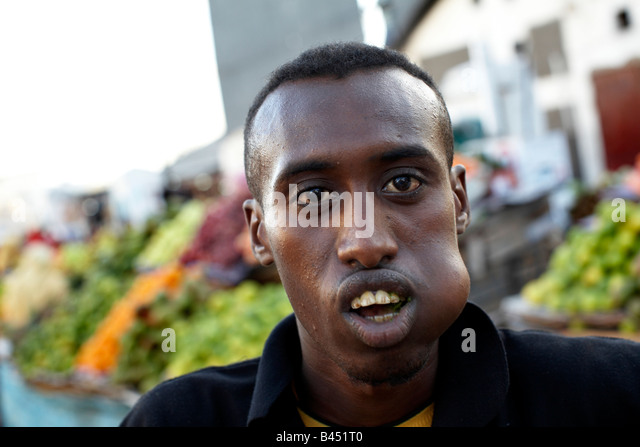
[[399, 153], [303, 166]]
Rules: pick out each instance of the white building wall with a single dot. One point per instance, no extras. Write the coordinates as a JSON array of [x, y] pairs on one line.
[[491, 28]]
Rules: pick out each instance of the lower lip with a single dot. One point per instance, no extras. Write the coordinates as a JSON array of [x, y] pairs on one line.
[[383, 334]]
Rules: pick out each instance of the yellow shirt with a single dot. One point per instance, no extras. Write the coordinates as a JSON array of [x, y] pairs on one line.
[[421, 419]]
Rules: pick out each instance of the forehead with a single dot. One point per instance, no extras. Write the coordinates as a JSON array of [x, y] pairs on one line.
[[327, 117]]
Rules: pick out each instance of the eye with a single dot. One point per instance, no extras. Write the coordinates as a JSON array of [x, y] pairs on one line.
[[312, 195], [402, 183]]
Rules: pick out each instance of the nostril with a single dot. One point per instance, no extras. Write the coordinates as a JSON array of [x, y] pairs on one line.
[[362, 263], [368, 259], [370, 252]]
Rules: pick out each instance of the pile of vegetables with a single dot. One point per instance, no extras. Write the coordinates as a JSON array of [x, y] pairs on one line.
[[212, 327], [596, 270], [99, 353], [99, 274], [98, 308], [217, 240], [172, 236], [35, 283]]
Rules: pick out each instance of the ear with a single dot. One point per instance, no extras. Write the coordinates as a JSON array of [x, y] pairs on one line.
[[459, 189], [257, 232]]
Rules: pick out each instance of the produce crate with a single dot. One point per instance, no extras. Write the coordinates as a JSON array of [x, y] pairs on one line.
[[24, 404]]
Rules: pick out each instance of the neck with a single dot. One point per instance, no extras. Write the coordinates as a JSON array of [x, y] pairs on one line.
[[329, 392]]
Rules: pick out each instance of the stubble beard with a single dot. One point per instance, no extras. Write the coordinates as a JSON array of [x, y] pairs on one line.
[[392, 374]]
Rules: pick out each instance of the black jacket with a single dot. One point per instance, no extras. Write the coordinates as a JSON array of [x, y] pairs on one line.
[[528, 378]]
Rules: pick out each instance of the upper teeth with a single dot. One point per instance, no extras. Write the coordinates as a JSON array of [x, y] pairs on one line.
[[368, 298]]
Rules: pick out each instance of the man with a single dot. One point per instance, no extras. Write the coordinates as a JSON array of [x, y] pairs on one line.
[[382, 334]]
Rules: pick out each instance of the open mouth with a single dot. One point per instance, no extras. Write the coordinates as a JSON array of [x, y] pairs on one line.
[[379, 306]]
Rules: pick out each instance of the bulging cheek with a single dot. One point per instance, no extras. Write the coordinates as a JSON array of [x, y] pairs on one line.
[[459, 285], [453, 290], [447, 272], [445, 284]]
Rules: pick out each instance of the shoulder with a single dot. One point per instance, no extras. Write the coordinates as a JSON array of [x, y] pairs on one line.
[[217, 395], [583, 377], [549, 350]]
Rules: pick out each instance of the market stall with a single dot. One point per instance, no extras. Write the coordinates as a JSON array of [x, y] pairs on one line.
[[591, 285], [89, 325]]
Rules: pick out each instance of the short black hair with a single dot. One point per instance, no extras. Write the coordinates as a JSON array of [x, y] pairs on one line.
[[339, 60]]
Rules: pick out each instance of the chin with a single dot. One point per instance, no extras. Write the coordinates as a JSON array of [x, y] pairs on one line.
[[386, 372]]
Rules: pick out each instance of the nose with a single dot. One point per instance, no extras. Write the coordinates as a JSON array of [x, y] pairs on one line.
[[373, 251]]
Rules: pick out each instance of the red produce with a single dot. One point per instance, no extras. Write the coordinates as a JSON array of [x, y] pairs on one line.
[[215, 242]]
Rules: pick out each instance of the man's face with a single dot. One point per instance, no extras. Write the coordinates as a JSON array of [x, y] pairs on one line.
[[375, 131]]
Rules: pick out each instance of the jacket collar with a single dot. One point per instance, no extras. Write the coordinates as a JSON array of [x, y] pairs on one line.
[[280, 360], [471, 387]]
